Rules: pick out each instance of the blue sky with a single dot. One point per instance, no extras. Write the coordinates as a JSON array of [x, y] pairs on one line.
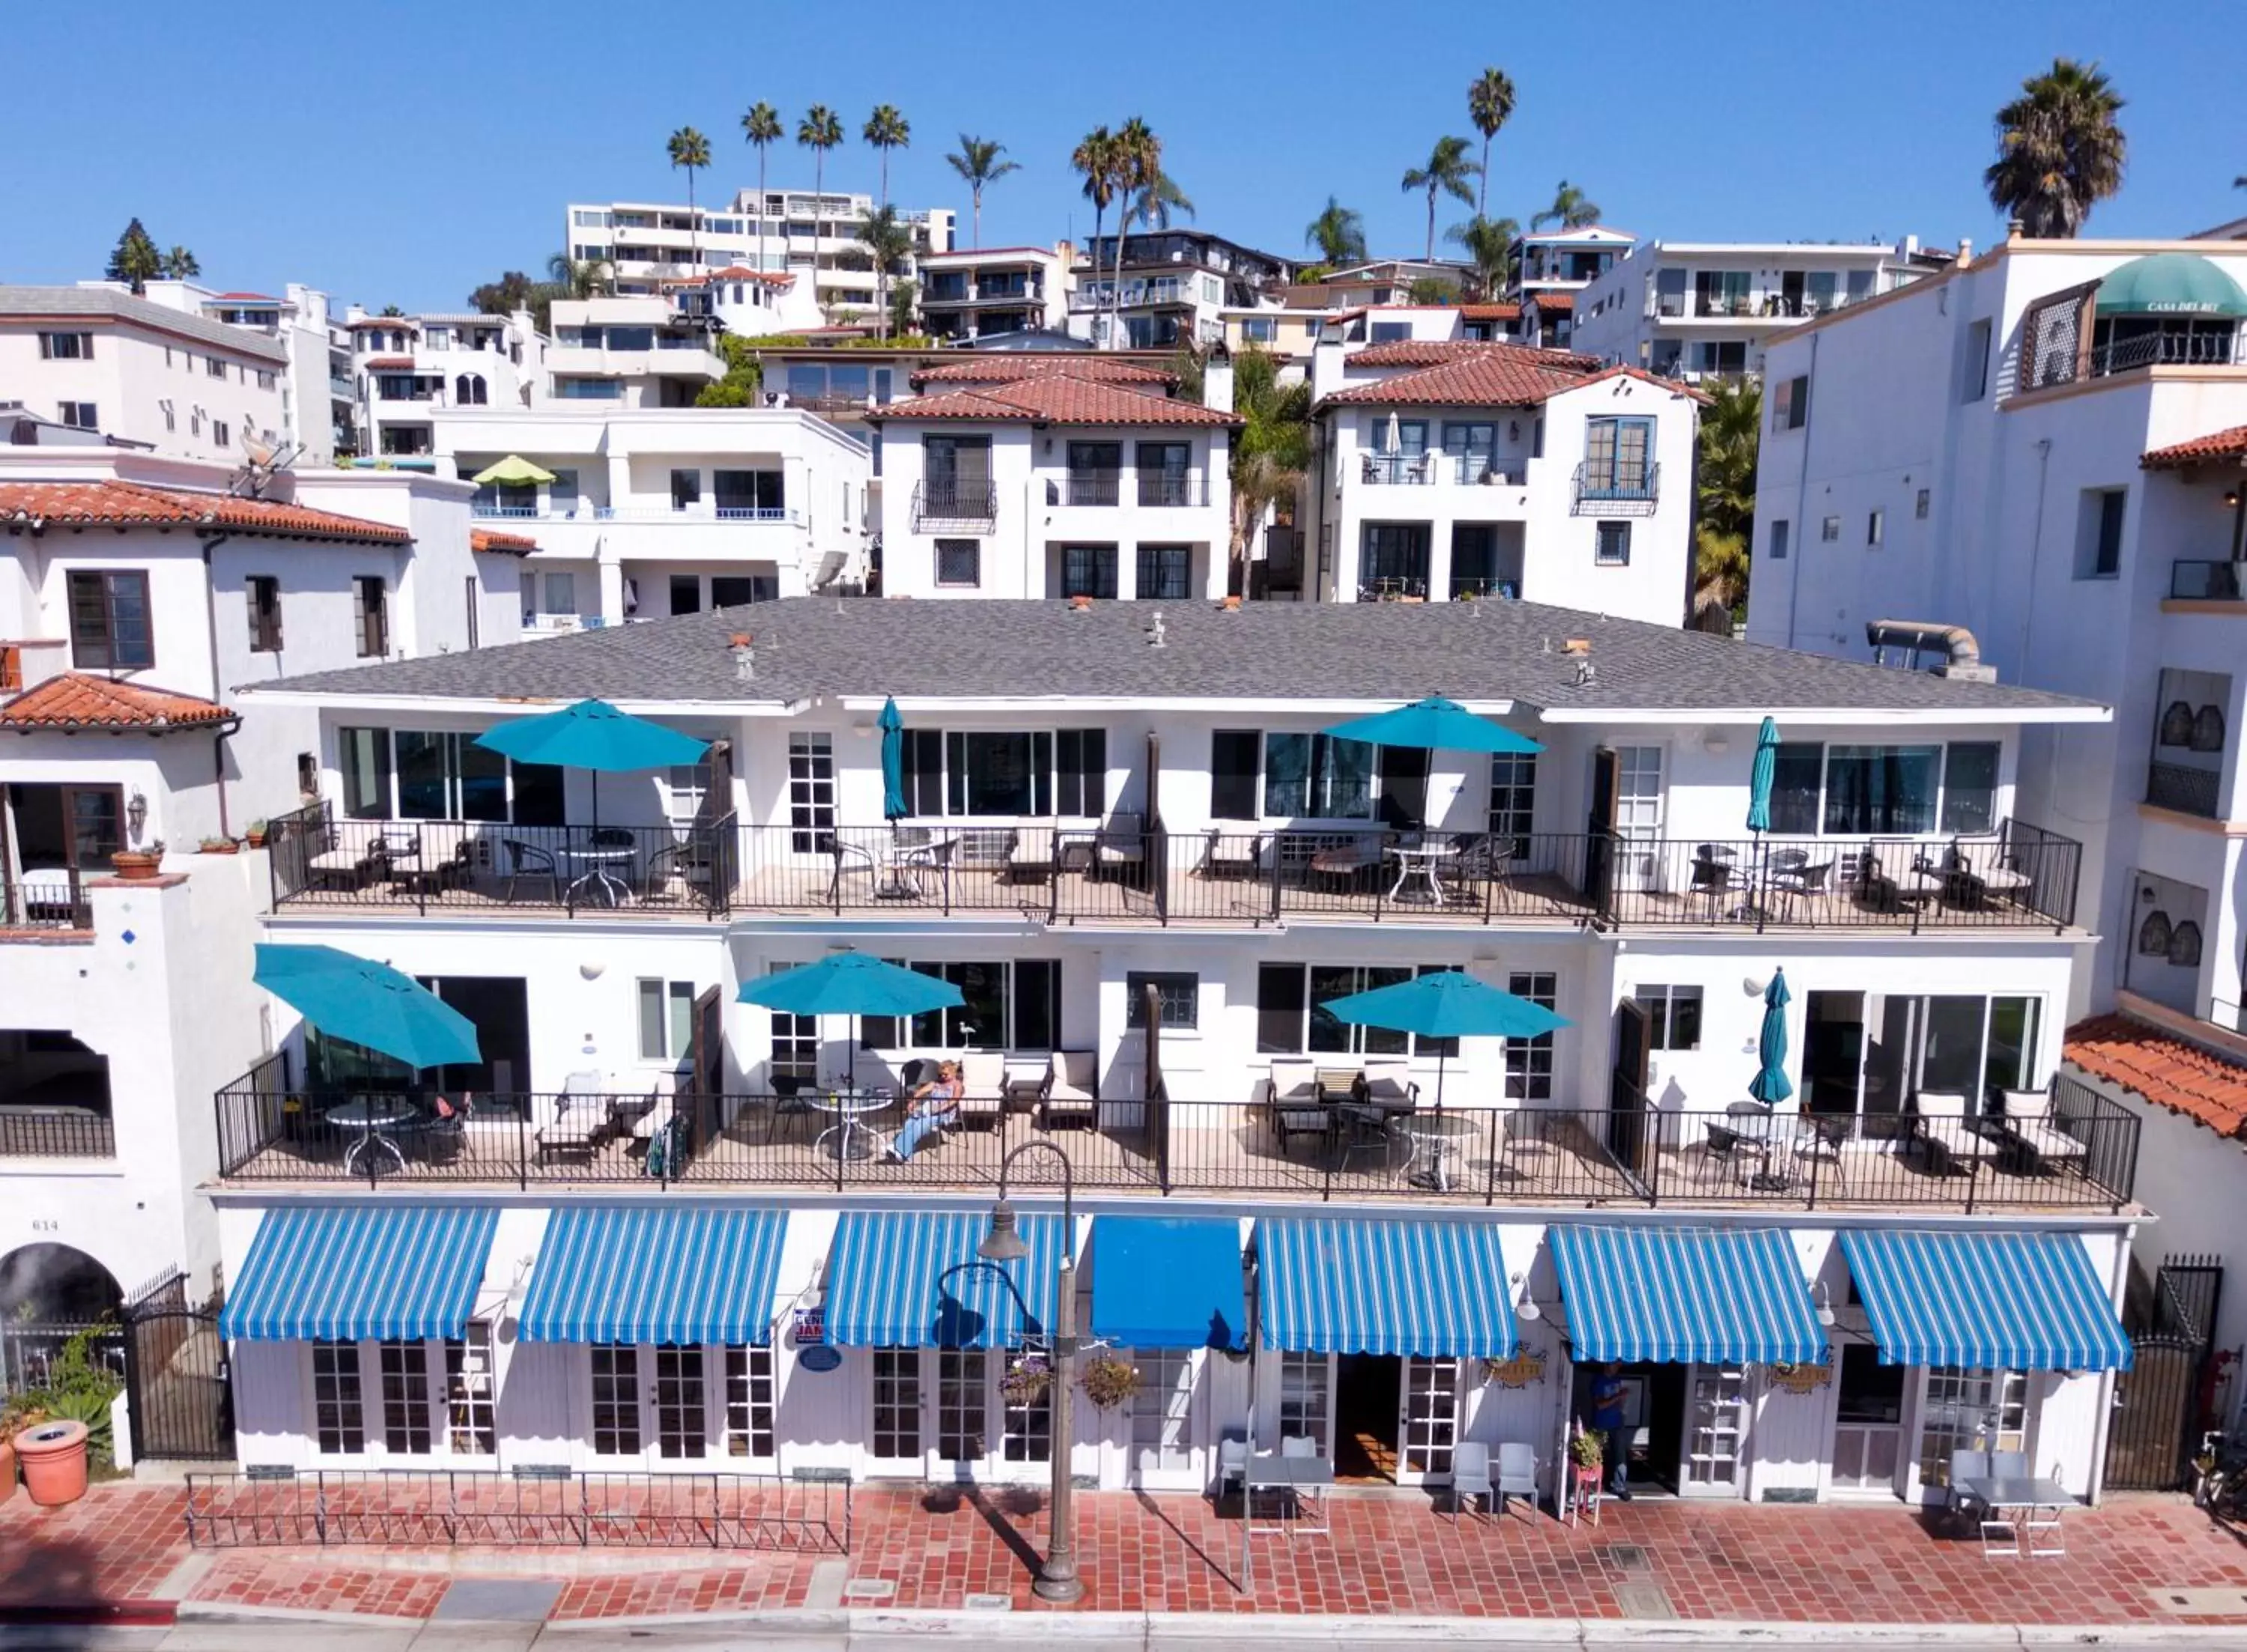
[[402, 151]]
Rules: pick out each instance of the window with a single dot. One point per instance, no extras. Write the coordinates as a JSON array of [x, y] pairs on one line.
[[2099, 533], [897, 1403], [1292, 1016], [616, 1399], [1829, 531], [1177, 993], [1618, 455], [109, 621], [1919, 502], [1613, 547], [1778, 540], [685, 489], [1529, 1061], [1875, 524], [1005, 773], [749, 1395], [1673, 1016], [214, 367], [1969, 1410], [338, 1417], [471, 596], [959, 562], [1390, 332], [1790, 409], [1975, 379], [1166, 572], [363, 756], [1881, 790], [1005, 1006], [682, 1428], [171, 418], [78, 415], [735, 590], [1093, 469], [265, 378], [1027, 1430], [1303, 1398], [264, 597], [471, 1397], [810, 790], [1317, 777], [439, 775], [962, 1408], [1162, 1409], [406, 1397], [1165, 475], [666, 1019], [956, 473], [1088, 571], [1080, 772], [1232, 763], [1393, 558], [69, 346], [1798, 776], [1969, 787], [221, 436], [370, 615], [1512, 801], [1259, 330]]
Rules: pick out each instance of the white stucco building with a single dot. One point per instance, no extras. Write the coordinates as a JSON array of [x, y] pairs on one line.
[[985, 292], [1174, 287], [407, 368]]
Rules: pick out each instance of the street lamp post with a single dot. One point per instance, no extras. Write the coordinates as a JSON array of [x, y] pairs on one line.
[[1057, 1578]]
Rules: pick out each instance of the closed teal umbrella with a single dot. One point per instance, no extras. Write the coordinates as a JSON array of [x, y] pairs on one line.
[[854, 985], [1445, 1003], [1434, 724], [894, 806], [1761, 773], [369, 1004], [1771, 1085]]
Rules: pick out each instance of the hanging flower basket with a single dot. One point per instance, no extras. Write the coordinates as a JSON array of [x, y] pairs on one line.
[[1027, 1380], [1584, 1451], [1108, 1381]]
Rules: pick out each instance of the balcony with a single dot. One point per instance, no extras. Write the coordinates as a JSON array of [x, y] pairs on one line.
[[1094, 487], [1164, 490], [1451, 470], [2206, 581], [1626, 1155], [2183, 789], [2017, 878], [46, 902], [1607, 488], [964, 506]]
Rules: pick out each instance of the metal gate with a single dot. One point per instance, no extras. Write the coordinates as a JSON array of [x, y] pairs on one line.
[[2158, 1402], [175, 1377]]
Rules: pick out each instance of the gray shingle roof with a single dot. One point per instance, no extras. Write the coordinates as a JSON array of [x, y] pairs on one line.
[[43, 302], [1377, 651]]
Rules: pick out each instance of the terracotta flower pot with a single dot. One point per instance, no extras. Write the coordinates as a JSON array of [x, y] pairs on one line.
[[135, 865], [53, 1457], [7, 1470]]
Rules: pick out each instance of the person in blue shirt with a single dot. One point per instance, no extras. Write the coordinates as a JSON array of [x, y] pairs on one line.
[[1608, 1422]]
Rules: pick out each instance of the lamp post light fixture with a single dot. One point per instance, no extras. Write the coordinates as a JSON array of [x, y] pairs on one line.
[[1056, 1580]]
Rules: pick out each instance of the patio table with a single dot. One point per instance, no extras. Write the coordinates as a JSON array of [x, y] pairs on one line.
[[595, 860], [1420, 861], [1305, 1478], [374, 1117], [847, 1138], [2014, 1501], [1438, 1138], [903, 863]]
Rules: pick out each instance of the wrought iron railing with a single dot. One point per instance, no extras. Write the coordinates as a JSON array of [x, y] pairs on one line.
[[1604, 484], [39, 1132], [938, 503], [2186, 790], [2205, 580], [62, 906]]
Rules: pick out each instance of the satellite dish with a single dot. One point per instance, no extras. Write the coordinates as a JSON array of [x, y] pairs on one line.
[[264, 462], [261, 454]]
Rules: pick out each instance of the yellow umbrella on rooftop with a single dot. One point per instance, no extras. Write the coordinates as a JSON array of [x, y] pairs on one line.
[[514, 471]]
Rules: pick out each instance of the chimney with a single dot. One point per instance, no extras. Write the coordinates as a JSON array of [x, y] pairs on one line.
[[745, 656], [356, 313], [1326, 359], [1217, 379], [1156, 636], [1965, 250]]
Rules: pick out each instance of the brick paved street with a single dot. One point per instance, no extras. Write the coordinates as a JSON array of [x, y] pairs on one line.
[[1827, 1564]]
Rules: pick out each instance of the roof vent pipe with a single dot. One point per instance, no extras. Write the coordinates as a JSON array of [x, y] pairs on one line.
[[745, 656]]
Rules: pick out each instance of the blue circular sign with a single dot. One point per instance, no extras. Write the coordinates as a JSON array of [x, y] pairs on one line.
[[819, 1358]]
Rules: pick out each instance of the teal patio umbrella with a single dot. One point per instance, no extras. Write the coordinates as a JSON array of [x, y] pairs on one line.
[[854, 985], [368, 1004], [894, 806], [593, 735], [1771, 1085], [1434, 724], [1761, 775], [1445, 1003]]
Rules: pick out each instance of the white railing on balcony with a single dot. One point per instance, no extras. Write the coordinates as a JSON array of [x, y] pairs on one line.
[[638, 513]]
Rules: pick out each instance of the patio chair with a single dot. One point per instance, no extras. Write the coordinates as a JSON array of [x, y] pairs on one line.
[[1943, 1130], [1966, 1464], [1071, 1088], [1797, 878], [848, 855], [1232, 1464], [1119, 849], [678, 871], [580, 1126], [1029, 856], [791, 1107], [528, 860], [1387, 1083], [2009, 1465], [1292, 1104], [455, 870], [1517, 1473], [1893, 876], [1713, 878], [337, 867], [1471, 1476], [1232, 855], [1983, 871], [983, 1087], [2027, 1121]]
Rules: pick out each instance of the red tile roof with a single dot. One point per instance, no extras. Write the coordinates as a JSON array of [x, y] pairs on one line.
[[391, 362], [1434, 352], [2166, 1071], [388, 321], [2201, 450], [1492, 376], [1490, 312], [77, 700], [1055, 399], [127, 504], [494, 539], [999, 367], [253, 298], [1552, 300]]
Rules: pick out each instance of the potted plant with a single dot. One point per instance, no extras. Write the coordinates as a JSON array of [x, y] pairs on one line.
[[137, 865], [257, 834], [220, 846], [1586, 1455], [1108, 1381], [53, 1454], [1026, 1381]]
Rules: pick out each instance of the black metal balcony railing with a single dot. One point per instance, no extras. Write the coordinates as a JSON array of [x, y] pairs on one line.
[[45, 905], [1613, 484], [2205, 580], [1163, 490], [2189, 791], [1622, 1154], [2181, 349], [1092, 488], [1399, 470], [43, 1132], [935, 504]]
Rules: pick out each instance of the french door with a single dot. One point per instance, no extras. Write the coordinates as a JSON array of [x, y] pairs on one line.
[[1166, 1432], [1715, 1431], [1428, 1425], [1638, 817]]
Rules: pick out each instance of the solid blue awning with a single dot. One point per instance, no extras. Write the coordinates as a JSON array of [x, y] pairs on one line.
[[912, 1279], [639, 1274], [2015, 1301], [1716, 1296], [1335, 1285], [359, 1271], [1167, 1281]]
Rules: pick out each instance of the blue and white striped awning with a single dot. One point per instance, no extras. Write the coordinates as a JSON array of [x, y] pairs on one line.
[[684, 1275], [1336, 1285], [912, 1279], [1167, 1281], [1997, 1301], [355, 1271], [1714, 1295]]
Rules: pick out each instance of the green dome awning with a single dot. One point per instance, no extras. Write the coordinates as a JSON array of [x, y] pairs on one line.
[[514, 471], [2171, 283]]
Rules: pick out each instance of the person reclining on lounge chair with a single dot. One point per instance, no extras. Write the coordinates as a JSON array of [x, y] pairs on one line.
[[929, 1109]]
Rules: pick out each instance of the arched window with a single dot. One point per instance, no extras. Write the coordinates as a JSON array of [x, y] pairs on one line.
[[2207, 729], [2176, 724], [468, 391], [2184, 945], [2154, 935]]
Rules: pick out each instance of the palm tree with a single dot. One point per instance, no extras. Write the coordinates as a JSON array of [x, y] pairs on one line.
[[579, 277], [762, 126], [1490, 106], [978, 164], [1338, 233], [179, 265], [1489, 246], [1157, 200], [1095, 157], [1271, 451], [886, 130], [1447, 173], [2059, 152], [1138, 164], [1724, 478], [889, 243], [820, 130], [690, 149], [1572, 209]]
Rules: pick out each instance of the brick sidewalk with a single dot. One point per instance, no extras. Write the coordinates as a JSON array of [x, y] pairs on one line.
[[1827, 1564]]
